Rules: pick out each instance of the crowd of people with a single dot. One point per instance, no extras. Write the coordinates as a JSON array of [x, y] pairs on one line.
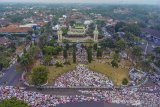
[[81, 54], [155, 78], [127, 96], [36, 99], [150, 88], [83, 77]]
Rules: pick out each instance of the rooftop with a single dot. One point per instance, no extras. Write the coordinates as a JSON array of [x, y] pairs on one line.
[[151, 31], [14, 29], [4, 40]]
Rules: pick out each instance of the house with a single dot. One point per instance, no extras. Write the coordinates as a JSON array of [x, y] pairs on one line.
[[88, 22], [14, 29], [151, 34], [4, 41], [135, 74], [123, 55], [56, 27]]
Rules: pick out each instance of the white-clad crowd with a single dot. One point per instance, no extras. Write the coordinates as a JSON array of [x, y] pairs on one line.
[[155, 78], [36, 99], [128, 97], [83, 77], [81, 54], [150, 88]]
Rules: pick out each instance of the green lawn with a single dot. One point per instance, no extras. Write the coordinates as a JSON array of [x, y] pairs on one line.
[[55, 72], [115, 74]]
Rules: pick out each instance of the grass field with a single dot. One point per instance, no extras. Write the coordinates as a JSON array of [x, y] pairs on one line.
[[55, 72], [115, 74]]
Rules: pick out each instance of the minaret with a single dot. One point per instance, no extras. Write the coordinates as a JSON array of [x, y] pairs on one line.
[[96, 34], [59, 33]]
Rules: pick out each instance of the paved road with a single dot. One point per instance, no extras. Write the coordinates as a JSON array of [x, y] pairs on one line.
[[91, 104], [11, 77]]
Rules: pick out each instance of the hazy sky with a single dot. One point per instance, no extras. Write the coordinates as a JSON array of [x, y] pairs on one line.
[[90, 1]]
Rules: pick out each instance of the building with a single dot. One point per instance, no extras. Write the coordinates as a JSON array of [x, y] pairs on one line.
[[78, 34], [88, 22], [77, 30], [135, 74], [56, 27], [96, 34], [151, 34], [4, 41], [14, 30]]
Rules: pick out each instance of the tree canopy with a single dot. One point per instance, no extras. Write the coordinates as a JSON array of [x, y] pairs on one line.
[[108, 43], [13, 102], [121, 44], [89, 52], [157, 50], [39, 75]]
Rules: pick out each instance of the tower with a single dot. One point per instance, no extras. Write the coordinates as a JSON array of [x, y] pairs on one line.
[[96, 34], [59, 33]]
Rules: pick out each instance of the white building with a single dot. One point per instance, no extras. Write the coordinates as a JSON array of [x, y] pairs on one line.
[[29, 25], [88, 22]]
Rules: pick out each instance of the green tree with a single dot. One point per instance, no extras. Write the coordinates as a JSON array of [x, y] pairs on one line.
[[51, 42], [157, 50], [89, 53], [146, 65], [49, 50], [39, 75], [74, 55], [67, 46], [137, 52], [13, 102], [4, 62], [65, 31], [99, 53], [18, 59], [26, 60], [107, 43], [116, 57], [119, 26], [65, 54], [132, 28], [158, 63], [125, 81], [114, 63], [47, 59], [100, 23], [28, 38], [42, 41], [121, 44], [116, 36], [95, 46]]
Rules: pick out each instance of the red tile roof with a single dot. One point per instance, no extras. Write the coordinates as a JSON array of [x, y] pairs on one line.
[[14, 29]]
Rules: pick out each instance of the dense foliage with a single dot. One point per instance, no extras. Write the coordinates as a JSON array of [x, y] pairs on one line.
[[39, 75], [13, 102]]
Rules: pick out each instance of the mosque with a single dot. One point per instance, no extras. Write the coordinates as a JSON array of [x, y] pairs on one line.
[[77, 33]]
